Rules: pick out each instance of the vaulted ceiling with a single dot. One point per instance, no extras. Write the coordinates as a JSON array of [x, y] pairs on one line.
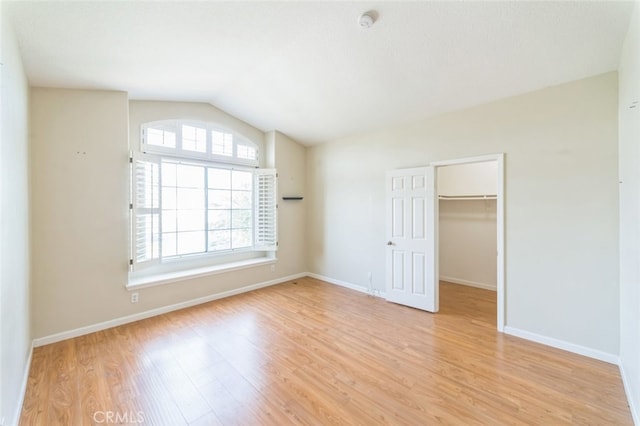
[[307, 68]]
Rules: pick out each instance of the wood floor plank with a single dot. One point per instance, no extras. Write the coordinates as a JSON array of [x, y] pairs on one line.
[[307, 352], [35, 407]]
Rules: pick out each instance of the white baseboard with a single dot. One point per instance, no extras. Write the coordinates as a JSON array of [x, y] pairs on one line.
[[348, 285], [454, 280], [633, 407], [23, 388], [157, 311], [561, 344]]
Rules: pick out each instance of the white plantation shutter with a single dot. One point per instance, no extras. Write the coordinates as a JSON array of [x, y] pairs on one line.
[[265, 228], [146, 213]]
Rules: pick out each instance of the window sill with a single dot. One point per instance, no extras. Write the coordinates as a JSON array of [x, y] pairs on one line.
[[172, 277]]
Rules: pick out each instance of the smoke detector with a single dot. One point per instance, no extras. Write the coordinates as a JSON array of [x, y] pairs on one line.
[[366, 20]]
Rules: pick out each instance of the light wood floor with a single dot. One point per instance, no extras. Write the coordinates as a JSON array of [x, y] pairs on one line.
[[307, 352]]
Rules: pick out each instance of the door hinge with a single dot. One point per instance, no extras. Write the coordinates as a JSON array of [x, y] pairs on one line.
[[130, 206], [130, 262]]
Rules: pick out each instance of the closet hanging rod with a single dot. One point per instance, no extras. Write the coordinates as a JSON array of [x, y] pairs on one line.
[[467, 197]]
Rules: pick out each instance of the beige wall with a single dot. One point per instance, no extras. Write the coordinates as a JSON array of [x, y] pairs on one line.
[[561, 202], [289, 159], [79, 196], [80, 141], [629, 145], [15, 333], [469, 179], [467, 240]]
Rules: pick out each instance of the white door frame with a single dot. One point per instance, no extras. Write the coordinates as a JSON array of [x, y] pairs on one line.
[[500, 284]]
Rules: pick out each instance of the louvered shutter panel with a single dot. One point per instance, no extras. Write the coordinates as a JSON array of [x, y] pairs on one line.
[[146, 213], [266, 219]]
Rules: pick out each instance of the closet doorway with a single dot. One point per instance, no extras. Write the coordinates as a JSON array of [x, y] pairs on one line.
[[471, 229]]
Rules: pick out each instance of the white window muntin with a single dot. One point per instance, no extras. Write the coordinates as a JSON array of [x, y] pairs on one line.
[[238, 141], [263, 214]]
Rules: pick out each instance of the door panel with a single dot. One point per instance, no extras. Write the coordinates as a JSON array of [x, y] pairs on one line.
[[419, 273], [397, 218], [418, 218], [398, 271], [411, 234]]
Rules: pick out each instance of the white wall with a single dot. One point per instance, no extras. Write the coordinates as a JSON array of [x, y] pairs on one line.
[[15, 333], [629, 146], [80, 148], [561, 202]]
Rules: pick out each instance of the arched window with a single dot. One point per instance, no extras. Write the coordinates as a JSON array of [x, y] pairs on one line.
[[197, 195], [193, 139]]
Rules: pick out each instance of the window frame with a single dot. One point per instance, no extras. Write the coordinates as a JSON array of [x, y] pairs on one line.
[[257, 253]]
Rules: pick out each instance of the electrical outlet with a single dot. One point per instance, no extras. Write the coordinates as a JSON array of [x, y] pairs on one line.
[[134, 297], [273, 268]]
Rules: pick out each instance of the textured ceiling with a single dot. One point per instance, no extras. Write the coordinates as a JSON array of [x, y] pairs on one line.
[[307, 68]]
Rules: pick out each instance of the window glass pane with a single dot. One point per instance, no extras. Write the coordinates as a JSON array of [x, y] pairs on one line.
[[241, 218], [219, 240], [168, 244], [241, 199], [219, 219], [190, 176], [154, 136], [219, 199], [190, 220], [190, 242], [219, 178], [168, 174], [169, 199], [169, 221], [240, 238], [194, 138], [222, 143], [242, 180], [246, 152], [190, 199], [161, 136]]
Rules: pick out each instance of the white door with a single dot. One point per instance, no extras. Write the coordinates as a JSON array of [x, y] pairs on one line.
[[411, 263]]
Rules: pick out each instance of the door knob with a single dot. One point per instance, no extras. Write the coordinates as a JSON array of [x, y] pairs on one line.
[[390, 243]]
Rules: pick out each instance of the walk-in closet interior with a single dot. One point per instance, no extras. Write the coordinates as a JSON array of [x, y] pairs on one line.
[[467, 229]]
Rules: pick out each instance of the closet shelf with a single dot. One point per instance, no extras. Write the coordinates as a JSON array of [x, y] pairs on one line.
[[468, 197]]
